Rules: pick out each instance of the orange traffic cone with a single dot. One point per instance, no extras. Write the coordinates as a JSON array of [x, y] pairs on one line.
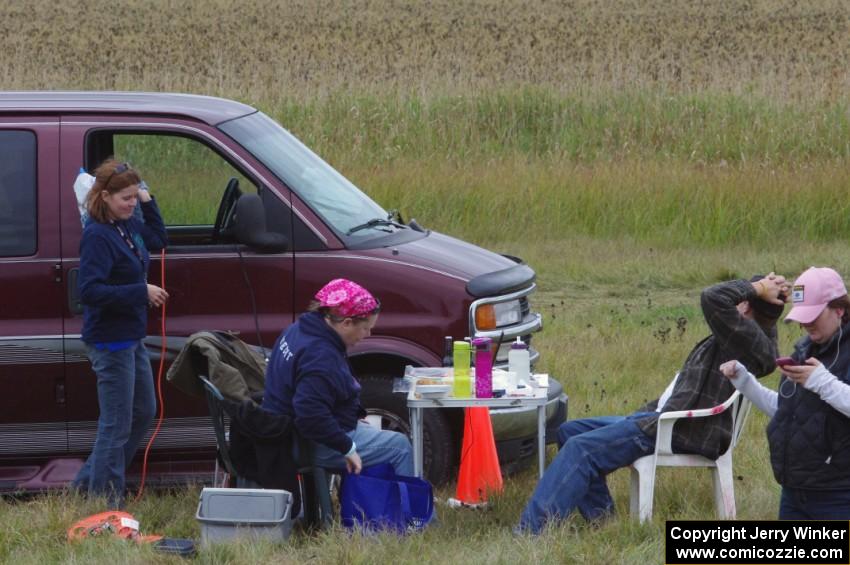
[[479, 464]]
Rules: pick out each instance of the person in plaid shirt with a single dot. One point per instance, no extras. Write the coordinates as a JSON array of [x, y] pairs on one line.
[[742, 318]]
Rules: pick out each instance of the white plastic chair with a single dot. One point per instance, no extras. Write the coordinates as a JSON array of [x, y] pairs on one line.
[[643, 470]]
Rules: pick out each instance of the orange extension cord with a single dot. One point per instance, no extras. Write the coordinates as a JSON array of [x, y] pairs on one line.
[[158, 386]]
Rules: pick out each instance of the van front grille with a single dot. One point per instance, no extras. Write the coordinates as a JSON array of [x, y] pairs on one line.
[[524, 307]]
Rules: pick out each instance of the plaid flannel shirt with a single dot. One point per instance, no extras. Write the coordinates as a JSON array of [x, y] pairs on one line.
[[701, 384]]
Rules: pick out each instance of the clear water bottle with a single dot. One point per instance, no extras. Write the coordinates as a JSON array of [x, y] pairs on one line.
[[519, 362]]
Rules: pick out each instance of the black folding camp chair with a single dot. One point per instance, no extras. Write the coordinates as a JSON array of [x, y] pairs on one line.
[[314, 483], [215, 401]]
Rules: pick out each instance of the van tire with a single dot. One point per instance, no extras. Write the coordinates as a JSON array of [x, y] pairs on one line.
[[378, 398]]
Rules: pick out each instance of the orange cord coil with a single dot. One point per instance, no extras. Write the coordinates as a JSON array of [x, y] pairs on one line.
[[114, 523]]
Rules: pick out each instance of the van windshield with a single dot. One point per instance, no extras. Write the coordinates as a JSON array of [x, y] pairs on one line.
[[343, 206]]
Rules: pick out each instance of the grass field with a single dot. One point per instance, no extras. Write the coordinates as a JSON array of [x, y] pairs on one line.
[[616, 330], [613, 345], [633, 152], [262, 50]]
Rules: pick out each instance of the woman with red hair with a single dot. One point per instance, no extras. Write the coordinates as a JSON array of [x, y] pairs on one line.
[[114, 260]]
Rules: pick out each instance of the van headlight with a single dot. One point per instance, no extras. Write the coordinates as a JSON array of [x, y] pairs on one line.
[[500, 314]]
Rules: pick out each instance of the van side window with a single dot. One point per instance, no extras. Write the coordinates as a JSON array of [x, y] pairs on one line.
[[193, 184], [188, 180], [17, 193]]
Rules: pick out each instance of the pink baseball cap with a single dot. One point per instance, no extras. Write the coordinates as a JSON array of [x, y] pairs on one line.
[[812, 291], [347, 298]]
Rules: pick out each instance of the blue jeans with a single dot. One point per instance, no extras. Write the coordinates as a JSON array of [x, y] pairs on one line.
[[802, 504], [125, 395], [590, 449], [373, 446]]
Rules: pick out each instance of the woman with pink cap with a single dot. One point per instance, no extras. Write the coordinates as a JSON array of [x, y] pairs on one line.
[[309, 379], [809, 430]]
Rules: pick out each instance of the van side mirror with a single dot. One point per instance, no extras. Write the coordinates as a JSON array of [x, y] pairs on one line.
[[249, 226]]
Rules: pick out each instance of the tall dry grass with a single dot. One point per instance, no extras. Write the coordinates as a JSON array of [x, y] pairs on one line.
[[260, 50]]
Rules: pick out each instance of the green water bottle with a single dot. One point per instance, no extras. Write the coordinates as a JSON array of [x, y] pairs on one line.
[[462, 384]]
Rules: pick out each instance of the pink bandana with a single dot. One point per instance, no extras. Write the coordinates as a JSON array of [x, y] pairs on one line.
[[347, 298]]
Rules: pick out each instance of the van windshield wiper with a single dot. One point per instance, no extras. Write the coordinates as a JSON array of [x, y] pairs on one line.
[[373, 223]]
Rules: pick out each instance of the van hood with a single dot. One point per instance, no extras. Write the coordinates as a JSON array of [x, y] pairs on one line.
[[486, 273]]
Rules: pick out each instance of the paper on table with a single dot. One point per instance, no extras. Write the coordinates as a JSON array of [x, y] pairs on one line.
[[428, 372], [503, 379], [540, 380], [523, 390]]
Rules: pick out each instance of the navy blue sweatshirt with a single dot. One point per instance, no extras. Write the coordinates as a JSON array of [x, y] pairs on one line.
[[326, 401], [112, 283]]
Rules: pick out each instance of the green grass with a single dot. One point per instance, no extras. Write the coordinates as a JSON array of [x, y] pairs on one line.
[[459, 536], [661, 203], [619, 319], [581, 125]]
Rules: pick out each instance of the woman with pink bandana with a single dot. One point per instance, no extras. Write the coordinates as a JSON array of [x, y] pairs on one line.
[[310, 379]]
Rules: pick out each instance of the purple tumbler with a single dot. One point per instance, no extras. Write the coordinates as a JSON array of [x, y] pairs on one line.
[[483, 367]]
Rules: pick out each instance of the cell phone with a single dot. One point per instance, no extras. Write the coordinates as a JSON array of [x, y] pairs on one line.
[[786, 362]]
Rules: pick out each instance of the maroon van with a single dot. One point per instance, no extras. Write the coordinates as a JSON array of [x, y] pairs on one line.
[[199, 154]]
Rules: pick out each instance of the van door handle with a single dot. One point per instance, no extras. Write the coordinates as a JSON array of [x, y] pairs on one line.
[[75, 305]]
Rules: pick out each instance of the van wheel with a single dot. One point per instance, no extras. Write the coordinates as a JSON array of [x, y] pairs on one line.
[[379, 400]]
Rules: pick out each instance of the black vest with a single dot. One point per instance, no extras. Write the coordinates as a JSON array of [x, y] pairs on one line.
[[809, 440]]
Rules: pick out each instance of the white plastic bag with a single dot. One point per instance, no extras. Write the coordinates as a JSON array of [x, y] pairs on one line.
[[82, 185]]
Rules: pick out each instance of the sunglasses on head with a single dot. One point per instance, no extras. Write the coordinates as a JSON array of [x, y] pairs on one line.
[[119, 170]]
